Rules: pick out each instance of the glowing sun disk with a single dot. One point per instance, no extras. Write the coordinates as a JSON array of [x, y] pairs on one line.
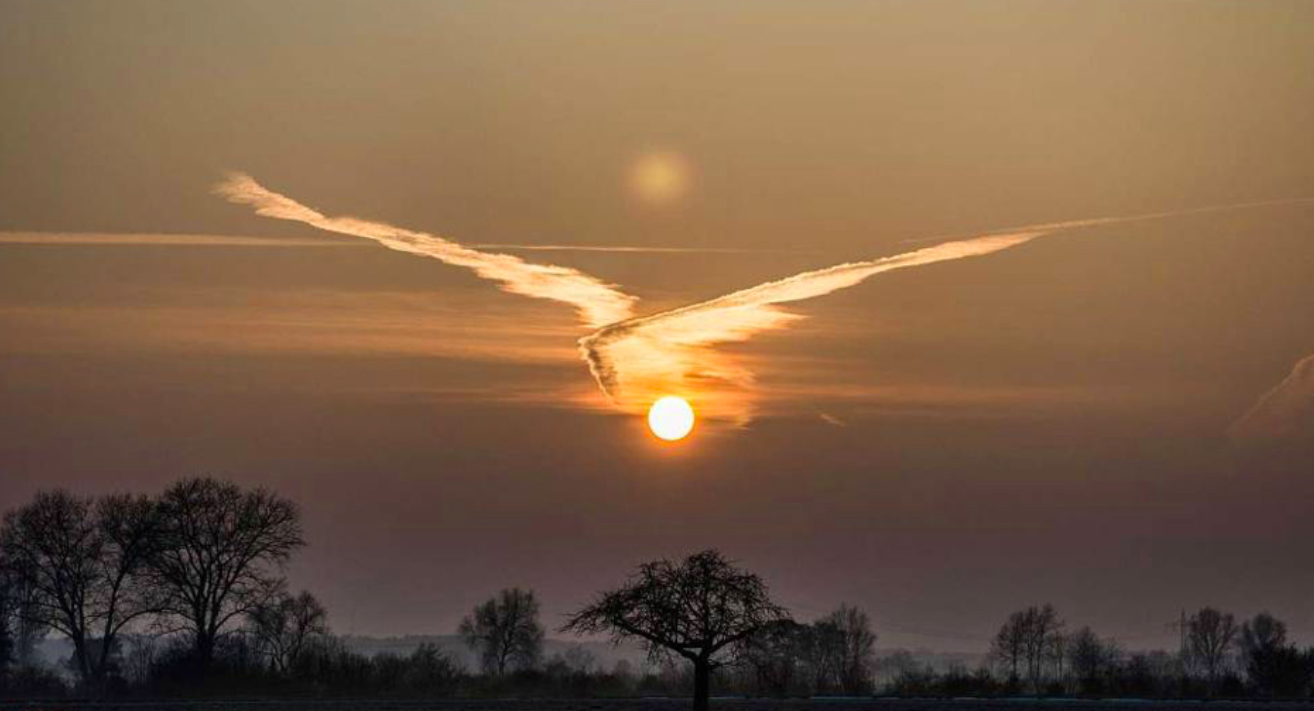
[[671, 418]]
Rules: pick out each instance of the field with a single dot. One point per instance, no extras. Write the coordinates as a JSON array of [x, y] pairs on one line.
[[652, 705]]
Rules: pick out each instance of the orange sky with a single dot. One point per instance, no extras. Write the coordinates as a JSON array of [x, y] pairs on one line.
[[1045, 423]]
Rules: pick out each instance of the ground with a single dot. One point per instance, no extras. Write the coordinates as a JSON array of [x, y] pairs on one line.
[[648, 705]]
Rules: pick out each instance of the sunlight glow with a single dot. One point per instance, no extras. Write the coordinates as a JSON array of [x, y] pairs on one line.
[[671, 418], [659, 177]]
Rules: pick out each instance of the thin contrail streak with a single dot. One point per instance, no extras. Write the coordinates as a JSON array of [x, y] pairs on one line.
[[635, 360], [166, 239], [1144, 217], [160, 240], [636, 250], [1286, 412], [597, 302]]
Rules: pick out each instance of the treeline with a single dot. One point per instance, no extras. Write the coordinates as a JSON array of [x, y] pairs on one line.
[[1034, 652], [182, 594]]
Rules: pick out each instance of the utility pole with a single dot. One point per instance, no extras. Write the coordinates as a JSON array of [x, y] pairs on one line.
[[1181, 626]]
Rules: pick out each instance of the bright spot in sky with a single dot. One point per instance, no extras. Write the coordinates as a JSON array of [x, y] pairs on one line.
[[671, 418], [659, 177]]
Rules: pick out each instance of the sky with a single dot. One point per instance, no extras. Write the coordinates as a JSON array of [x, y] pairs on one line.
[[1115, 416]]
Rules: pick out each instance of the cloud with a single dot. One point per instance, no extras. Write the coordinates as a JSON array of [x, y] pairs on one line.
[[312, 322], [633, 250], [831, 419], [635, 360], [597, 302], [1284, 413], [670, 352], [191, 240], [159, 239]]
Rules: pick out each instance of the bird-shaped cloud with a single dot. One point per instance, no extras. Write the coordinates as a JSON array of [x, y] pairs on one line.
[[635, 360]]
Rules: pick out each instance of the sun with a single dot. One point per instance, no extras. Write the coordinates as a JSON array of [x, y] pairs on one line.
[[659, 177], [671, 418]]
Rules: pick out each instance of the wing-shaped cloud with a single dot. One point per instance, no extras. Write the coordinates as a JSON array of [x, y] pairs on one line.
[[1283, 413], [597, 302], [637, 360]]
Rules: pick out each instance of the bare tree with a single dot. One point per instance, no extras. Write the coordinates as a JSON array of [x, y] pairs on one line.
[[7, 619], [219, 546], [696, 609], [1008, 649], [1042, 625], [505, 632], [1092, 659], [1263, 645], [81, 562], [284, 628], [26, 627], [819, 646], [1029, 636], [773, 656], [853, 644], [1209, 636]]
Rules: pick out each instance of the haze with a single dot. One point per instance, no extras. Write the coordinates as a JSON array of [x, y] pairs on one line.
[[939, 445]]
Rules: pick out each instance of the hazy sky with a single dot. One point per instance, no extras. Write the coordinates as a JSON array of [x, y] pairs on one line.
[[940, 445]]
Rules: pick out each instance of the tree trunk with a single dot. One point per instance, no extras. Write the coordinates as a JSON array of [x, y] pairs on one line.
[[702, 683], [204, 651]]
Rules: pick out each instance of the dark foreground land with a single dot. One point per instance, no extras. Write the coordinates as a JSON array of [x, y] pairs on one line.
[[658, 705]]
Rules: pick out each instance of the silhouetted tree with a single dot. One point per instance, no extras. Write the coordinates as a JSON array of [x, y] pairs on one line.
[[284, 627], [695, 609], [218, 546], [80, 560], [1275, 668], [26, 626], [853, 642], [1028, 638], [1092, 660], [819, 647], [773, 655], [1209, 636], [7, 619], [1008, 648], [429, 671], [505, 632]]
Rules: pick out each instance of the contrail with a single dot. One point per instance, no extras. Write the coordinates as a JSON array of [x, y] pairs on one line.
[[168, 239], [636, 360], [1284, 413], [669, 352], [633, 250], [159, 240], [597, 302]]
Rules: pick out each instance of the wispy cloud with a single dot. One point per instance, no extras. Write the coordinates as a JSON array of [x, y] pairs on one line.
[[831, 419], [161, 239], [634, 360], [637, 360], [597, 302], [633, 250], [1283, 413], [313, 322], [198, 240]]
